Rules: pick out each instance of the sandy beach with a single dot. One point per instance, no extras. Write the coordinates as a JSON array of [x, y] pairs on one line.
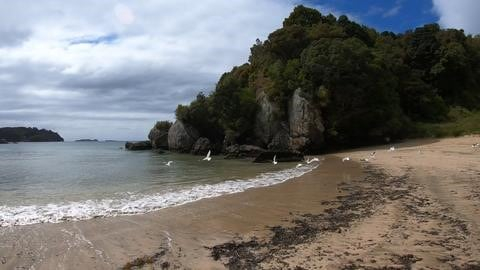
[[415, 207]]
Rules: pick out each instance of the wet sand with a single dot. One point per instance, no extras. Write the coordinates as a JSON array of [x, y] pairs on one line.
[[418, 206]]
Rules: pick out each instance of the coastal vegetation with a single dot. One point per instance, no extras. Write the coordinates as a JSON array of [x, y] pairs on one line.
[[28, 134], [361, 85]]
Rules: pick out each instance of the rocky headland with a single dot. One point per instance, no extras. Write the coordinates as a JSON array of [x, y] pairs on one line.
[[28, 134]]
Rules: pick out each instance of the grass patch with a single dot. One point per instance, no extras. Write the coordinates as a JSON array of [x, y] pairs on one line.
[[460, 122]]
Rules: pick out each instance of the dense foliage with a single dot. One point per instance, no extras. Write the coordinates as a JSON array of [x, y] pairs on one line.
[[368, 85], [24, 134]]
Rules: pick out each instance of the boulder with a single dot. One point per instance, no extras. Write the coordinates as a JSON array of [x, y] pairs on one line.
[[267, 121], [305, 124], [243, 151], [158, 137], [201, 146], [281, 157], [181, 137], [137, 146]]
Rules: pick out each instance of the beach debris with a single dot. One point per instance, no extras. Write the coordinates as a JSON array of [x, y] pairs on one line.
[[476, 145], [345, 159], [312, 160], [364, 159], [391, 149], [169, 163], [275, 160], [208, 158]]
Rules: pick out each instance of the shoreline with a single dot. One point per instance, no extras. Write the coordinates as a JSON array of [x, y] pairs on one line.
[[395, 211]]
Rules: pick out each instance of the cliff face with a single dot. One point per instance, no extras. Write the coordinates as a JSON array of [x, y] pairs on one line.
[[300, 132], [23, 134]]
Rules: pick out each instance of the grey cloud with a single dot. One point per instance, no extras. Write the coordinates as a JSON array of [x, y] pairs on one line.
[[80, 69], [13, 37]]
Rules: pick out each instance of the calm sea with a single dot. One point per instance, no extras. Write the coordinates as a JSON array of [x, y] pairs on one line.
[[54, 182]]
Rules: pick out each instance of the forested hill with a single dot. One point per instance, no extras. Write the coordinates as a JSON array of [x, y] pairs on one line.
[[355, 85], [24, 134]]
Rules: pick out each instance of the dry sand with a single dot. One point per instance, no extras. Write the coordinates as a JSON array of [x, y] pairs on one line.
[[416, 207]]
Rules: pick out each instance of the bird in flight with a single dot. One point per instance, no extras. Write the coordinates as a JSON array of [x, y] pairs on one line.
[[169, 163], [208, 158]]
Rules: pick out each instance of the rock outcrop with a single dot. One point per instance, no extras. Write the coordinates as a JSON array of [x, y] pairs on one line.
[[201, 146], [158, 136], [181, 137], [243, 151], [281, 139], [305, 124], [138, 146], [280, 157], [267, 122]]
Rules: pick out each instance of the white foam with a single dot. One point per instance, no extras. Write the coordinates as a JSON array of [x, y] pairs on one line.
[[133, 204]]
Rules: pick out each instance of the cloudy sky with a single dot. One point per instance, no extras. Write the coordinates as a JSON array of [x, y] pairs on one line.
[[109, 69]]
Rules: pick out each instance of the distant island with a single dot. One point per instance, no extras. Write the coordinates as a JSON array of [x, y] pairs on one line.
[[28, 134], [87, 140]]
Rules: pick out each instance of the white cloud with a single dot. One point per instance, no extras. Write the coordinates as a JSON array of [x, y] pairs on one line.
[[459, 14], [83, 67]]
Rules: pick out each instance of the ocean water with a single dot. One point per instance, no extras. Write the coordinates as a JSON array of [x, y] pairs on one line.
[[55, 182]]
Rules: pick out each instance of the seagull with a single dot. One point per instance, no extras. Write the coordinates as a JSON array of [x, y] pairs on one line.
[[275, 160], [345, 159], [372, 155], [391, 149], [299, 165], [312, 160], [475, 145], [208, 158], [169, 163]]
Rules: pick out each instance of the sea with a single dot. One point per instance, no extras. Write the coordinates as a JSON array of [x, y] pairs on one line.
[[70, 181]]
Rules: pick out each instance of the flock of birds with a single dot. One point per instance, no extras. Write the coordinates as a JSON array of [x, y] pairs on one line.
[[308, 161]]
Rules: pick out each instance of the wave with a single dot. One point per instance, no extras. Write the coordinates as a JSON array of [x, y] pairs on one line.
[[133, 204]]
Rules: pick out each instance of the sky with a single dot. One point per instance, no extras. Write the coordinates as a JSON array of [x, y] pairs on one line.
[[110, 69]]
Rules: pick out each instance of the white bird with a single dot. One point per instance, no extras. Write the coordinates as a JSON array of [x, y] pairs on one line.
[[391, 149], [345, 159], [208, 158], [299, 165], [475, 145], [312, 160], [169, 163], [372, 155], [275, 160]]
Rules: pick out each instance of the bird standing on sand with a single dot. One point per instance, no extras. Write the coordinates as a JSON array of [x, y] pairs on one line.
[[391, 149], [275, 160], [169, 163], [345, 159], [208, 158]]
